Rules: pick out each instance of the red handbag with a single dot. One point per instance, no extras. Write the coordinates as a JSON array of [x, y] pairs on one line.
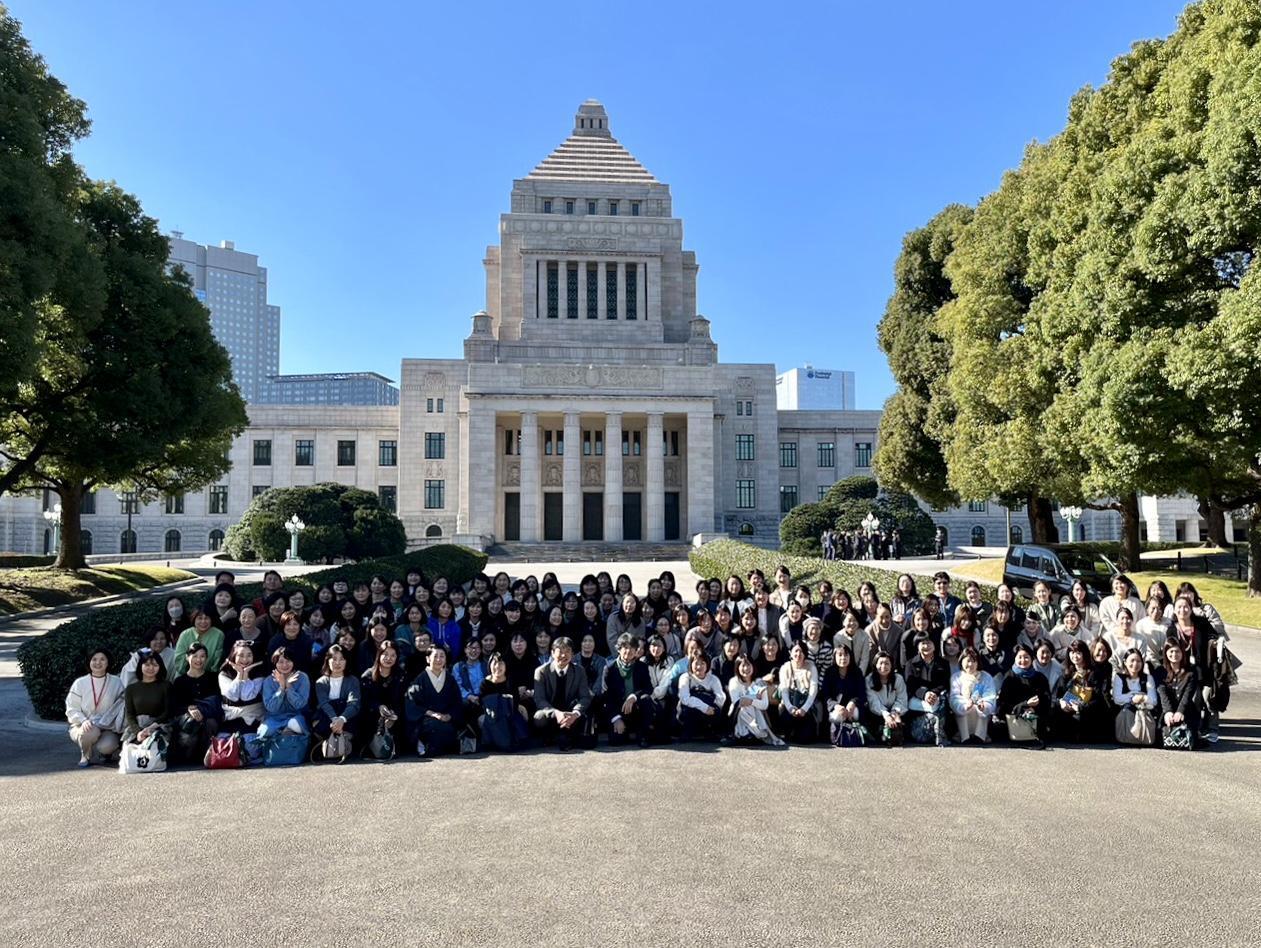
[[224, 753]]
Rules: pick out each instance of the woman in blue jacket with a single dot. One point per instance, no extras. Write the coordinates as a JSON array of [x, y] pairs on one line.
[[337, 696], [286, 695], [444, 627]]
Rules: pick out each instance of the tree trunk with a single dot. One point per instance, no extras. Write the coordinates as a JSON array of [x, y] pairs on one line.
[[1042, 520], [1254, 550], [70, 551], [1130, 526], [1215, 515]]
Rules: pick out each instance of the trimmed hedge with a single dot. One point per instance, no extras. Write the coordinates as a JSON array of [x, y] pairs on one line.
[[722, 558], [51, 662], [23, 561]]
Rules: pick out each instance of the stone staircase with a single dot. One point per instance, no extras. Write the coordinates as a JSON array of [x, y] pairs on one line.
[[594, 552]]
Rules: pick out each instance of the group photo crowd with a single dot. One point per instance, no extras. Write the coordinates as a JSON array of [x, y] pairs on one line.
[[421, 666]]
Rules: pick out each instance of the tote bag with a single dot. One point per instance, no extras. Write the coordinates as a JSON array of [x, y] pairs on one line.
[[148, 757]]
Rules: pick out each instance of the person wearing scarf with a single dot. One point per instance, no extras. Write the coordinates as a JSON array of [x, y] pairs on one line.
[[627, 695], [434, 708], [1025, 693]]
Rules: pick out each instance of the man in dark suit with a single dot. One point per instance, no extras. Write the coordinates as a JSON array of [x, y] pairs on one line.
[[562, 700], [627, 691]]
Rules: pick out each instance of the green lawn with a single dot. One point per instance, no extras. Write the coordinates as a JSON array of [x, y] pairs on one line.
[[22, 590]]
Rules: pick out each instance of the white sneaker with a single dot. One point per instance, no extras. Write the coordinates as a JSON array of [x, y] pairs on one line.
[[1212, 736], [293, 727], [420, 748]]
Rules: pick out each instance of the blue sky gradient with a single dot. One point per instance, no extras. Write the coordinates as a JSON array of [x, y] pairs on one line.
[[366, 151]]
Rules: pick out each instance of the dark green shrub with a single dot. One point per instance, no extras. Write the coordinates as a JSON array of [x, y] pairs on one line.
[[52, 662], [341, 521], [23, 561]]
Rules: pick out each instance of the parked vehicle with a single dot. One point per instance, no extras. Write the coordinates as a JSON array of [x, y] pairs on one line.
[[1058, 565]]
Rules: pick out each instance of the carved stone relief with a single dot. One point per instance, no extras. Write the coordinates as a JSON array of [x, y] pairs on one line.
[[672, 473], [593, 376], [512, 474], [433, 469], [630, 474], [435, 380], [553, 476], [744, 469], [592, 475], [744, 385]]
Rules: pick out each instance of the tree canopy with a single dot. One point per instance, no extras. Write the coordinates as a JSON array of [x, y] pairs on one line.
[[341, 521], [1097, 318]]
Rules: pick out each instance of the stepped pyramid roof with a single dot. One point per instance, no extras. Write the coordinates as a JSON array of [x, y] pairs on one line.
[[591, 153]]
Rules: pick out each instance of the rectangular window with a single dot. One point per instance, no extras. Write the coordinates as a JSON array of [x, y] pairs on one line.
[[553, 290], [303, 453], [862, 454], [257, 489], [129, 502], [610, 289], [787, 497], [217, 500], [262, 453], [569, 207], [547, 443], [512, 442], [547, 207], [435, 445], [175, 503], [345, 454], [977, 506], [441, 409], [632, 292], [744, 447], [823, 489], [571, 291], [670, 444], [593, 290], [387, 453], [89, 502], [612, 209], [748, 408], [827, 454], [435, 495], [788, 454], [634, 208], [429, 406], [591, 207], [739, 408], [631, 444], [746, 498], [388, 496]]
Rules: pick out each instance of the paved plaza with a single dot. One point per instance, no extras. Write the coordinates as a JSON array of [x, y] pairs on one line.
[[683, 845]]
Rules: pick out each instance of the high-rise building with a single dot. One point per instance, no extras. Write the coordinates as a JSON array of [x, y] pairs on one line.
[[811, 389], [330, 388], [234, 288]]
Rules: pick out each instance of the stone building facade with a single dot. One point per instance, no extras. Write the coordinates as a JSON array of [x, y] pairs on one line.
[[590, 405]]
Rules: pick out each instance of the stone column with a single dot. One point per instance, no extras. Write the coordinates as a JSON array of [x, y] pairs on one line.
[[613, 477], [530, 287], [582, 295], [572, 524], [652, 303], [602, 294], [479, 470], [530, 477], [621, 290], [700, 472], [655, 481]]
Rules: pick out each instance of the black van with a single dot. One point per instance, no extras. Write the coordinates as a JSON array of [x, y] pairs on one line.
[[1058, 565]]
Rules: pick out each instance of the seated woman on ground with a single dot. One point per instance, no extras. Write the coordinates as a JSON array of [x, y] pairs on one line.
[[844, 692], [502, 722], [1044, 661], [1083, 696], [749, 703], [147, 702], [202, 630], [382, 691], [434, 708], [338, 696], [886, 700], [1134, 688], [1069, 630], [1179, 693], [799, 709], [973, 699], [241, 690], [95, 709], [157, 642], [294, 640], [1124, 637], [952, 649], [928, 693], [701, 697], [196, 706], [1025, 695], [286, 695], [996, 661]]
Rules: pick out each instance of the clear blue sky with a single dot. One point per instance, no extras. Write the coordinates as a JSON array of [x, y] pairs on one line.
[[366, 151]]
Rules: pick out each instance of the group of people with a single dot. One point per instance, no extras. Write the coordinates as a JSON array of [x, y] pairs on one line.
[[862, 544], [424, 665]]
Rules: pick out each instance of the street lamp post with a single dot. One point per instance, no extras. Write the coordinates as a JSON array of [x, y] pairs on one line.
[[54, 520], [295, 526], [870, 523], [1071, 515]]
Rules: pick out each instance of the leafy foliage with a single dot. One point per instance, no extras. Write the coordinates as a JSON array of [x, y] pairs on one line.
[[340, 521], [845, 505]]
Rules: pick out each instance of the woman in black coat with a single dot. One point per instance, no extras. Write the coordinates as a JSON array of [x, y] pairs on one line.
[[1025, 693], [434, 708], [1179, 692], [1082, 711], [383, 688]]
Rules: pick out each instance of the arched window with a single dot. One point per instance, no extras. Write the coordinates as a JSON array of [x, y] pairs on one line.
[[746, 529], [1017, 534], [127, 542], [48, 542], [978, 535], [216, 540], [172, 543], [433, 530], [85, 542]]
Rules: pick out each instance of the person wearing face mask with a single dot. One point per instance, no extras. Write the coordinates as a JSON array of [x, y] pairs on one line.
[[174, 618]]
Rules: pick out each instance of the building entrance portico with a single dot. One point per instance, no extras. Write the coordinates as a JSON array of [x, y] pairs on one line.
[[608, 470]]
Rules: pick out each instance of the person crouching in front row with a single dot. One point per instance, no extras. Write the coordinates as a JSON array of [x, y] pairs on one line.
[[562, 700]]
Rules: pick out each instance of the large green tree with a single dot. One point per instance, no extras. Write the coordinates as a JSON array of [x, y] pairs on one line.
[[341, 521], [142, 397]]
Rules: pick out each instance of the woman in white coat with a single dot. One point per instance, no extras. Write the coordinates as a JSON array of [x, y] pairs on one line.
[[750, 697], [94, 709], [973, 699]]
